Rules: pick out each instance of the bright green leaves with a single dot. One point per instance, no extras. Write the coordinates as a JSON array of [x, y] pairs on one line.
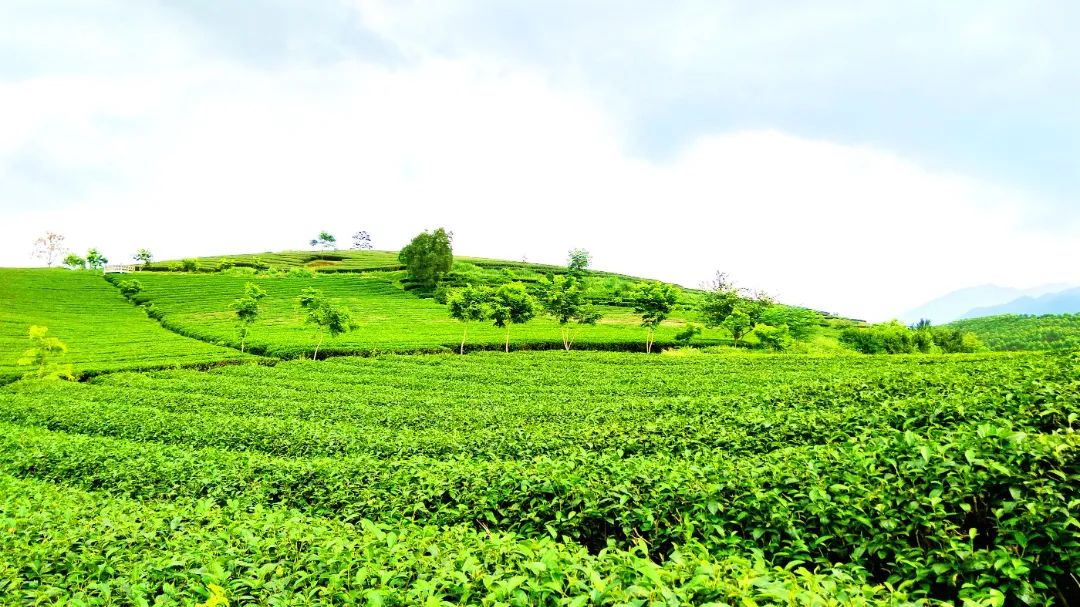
[[45, 356]]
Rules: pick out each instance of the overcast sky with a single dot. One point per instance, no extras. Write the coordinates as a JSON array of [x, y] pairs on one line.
[[859, 158]]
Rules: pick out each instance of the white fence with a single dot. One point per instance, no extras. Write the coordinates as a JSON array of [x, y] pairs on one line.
[[121, 268]]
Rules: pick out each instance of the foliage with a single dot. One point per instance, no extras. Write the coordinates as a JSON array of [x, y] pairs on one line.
[[429, 256], [95, 260], [739, 324], [247, 310], [563, 298], [773, 338], [74, 262], [326, 316], [325, 240], [189, 264], [129, 288], [49, 247], [802, 323], [512, 304], [361, 241], [719, 300], [42, 355], [584, 478], [654, 301], [469, 304], [1012, 332], [578, 261], [689, 332], [145, 256], [881, 338]]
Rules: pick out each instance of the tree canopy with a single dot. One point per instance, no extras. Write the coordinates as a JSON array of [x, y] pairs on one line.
[[429, 256]]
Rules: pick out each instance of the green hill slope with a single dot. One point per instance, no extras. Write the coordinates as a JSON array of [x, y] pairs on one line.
[[101, 329], [1025, 332], [390, 319]]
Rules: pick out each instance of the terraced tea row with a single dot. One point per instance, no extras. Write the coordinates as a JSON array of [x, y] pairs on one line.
[[950, 477], [100, 328], [388, 318]]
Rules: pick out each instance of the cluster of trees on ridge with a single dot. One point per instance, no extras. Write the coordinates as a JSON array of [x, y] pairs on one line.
[[894, 338]]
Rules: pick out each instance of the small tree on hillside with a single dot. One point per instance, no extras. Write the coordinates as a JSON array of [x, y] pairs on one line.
[[512, 304], [719, 300], [95, 259], [564, 299], [42, 356], [75, 262], [49, 247], [129, 288], [361, 240], [144, 255], [654, 301], [739, 324], [578, 261], [468, 304], [319, 311], [802, 323], [325, 240], [247, 311], [429, 256]]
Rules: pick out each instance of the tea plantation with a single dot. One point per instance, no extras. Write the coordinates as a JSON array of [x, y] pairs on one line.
[[694, 477]]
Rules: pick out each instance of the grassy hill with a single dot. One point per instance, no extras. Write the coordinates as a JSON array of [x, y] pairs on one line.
[[102, 330], [1013, 332], [390, 318]]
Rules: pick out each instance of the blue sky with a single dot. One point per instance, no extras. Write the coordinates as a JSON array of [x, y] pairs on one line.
[[856, 157]]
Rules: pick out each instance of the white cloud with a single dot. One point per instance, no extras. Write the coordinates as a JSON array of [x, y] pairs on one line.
[[224, 159]]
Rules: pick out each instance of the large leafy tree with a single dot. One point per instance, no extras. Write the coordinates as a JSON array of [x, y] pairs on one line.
[[75, 262], [739, 324], [512, 304], [469, 304], [654, 301], [429, 256], [802, 323], [564, 300], [144, 255], [327, 317], [247, 311]]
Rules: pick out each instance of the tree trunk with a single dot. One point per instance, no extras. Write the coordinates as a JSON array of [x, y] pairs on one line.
[[463, 335], [649, 342], [315, 356], [507, 338]]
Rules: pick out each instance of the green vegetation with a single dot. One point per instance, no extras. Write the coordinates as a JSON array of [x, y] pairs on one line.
[[948, 478], [894, 338], [429, 256], [1025, 332], [102, 331]]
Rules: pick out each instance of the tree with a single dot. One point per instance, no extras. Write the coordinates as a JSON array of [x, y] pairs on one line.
[[802, 323], [564, 300], [144, 255], [74, 262], [361, 240], [719, 300], [43, 351], [654, 301], [773, 338], [512, 304], [578, 261], [95, 259], [49, 247], [320, 312], [247, 311], [739, 324], [429, 256], [325, 240], [468, 304]]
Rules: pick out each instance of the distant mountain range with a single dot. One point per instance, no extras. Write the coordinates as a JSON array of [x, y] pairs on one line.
[[990, 300]]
